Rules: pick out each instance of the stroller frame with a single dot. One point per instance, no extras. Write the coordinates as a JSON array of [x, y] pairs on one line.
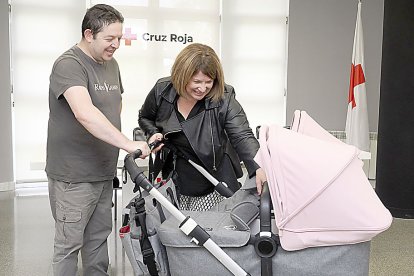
[[187, 225]]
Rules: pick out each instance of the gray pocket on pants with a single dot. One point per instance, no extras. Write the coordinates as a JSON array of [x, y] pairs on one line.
[[68, 225]]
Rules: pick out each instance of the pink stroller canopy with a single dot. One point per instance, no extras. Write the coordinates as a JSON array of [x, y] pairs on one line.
[[320, 193]]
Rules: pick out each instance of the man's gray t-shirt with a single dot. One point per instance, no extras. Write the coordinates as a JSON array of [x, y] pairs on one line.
[[73, 154]]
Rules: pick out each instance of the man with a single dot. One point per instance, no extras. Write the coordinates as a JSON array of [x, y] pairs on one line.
[[83, 143]]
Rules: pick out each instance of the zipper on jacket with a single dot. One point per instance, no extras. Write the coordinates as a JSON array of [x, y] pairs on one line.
[[212, 142], [174, 154]]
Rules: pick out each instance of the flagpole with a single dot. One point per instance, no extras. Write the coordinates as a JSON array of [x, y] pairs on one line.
[[364, 154]]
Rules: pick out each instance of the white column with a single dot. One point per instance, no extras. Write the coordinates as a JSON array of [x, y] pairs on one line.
[[6, 145]]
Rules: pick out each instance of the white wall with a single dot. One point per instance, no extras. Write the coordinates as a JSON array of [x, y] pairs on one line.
[[254, 38]]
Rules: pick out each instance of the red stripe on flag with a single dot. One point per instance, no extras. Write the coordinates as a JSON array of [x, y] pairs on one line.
[[357, 78]]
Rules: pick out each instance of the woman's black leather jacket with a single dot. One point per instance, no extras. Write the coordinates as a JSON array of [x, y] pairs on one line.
[[222, 128]]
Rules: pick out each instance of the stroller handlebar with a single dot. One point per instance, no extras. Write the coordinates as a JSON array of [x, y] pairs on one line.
[[135, 172]]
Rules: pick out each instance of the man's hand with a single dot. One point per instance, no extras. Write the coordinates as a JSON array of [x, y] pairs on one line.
[[141, 145]]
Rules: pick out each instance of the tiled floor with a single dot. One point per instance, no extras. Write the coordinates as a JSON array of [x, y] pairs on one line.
[[27, 230]]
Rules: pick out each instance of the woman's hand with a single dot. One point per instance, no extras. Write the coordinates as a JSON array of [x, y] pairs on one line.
[[157, 136], [260, 180]]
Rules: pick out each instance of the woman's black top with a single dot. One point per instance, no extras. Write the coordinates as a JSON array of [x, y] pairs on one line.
[[190, 181]]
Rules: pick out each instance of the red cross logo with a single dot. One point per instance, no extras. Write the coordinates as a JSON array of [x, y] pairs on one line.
[[128, 36], [357, 78]]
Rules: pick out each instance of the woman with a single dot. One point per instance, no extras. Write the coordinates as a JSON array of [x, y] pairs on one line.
[[198, 114]]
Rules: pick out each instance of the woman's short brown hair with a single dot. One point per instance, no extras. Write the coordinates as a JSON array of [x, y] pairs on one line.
[[192, 59]]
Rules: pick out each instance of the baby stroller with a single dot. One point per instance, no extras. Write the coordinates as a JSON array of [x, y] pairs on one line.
[[247, 238]]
